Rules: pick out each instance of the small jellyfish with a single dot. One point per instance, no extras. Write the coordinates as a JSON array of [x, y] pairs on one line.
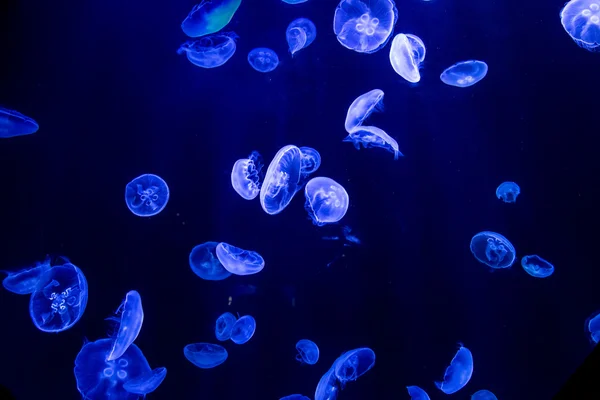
[[536, 266], [243, 329], [406, 55], [300, 33], [311, 161], [146, 383], [205, 263], [281, 180], [308, 352], [362, 107], [483, 395], [416, 393], [581, 20], [146, 195], [465, 73], [239, 261], [294, 397], [205, 355], [245, 176], [224, 325], [209, 16], [130, 324], [364, 26], [592, 327], [353, 364], [210, 51], [294, 1], [372, 136], [508, 192], [326, 200], [458, 373], [25, 281], [327, 388], [13, 123], [263, 59], [493, 250]]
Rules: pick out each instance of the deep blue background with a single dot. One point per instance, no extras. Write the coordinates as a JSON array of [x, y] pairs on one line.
[[114, 100]]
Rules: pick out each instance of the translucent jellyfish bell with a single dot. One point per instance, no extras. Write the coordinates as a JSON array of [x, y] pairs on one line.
[[25, 280], [508, 192], [311, 161], [406, 55], [353, 364], [281, 180], [13, 123], [263, 59], [245, 176], [327, 388], [581, 20], [224, 325], [493, 250], [294, 397], [416, 393], [204, 262], [243, 329], [130, 324], [592, 327], [536, 266], [362, 107], [239, 261], [147, 382], [209, 17], [458, 373], [299, 34], [372, 136], [205, 355], [465, 73], [483, 395], [294, 1], [326, 200], [146, 195], [308, 351], [210, 51]]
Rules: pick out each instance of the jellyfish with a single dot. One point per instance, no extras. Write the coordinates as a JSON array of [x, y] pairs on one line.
[[362, 107], [205, 355], [294, 1], [294, 397], [239, 261], [25, 280], [311, 161], [130, 324], [300, 33], [209, 16], [372, 136], [210, 51], [493, 250], [263, 59], [592, 327], [352, 364], [416, 393], [243, 329], [327, 388], [281, 180], [483, 395], [59, 299], [581, 20], [147, 382], [308, 352], [458, 373], [465, 73], [224, 325], [406, 55], [245, 176], [205, 263], [508, 192], [13, 123], [536, 266], [326, 200], [146, 195]]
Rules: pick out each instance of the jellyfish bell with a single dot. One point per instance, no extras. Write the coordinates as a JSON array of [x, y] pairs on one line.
[[205, 355], [536, 266], [353, 364], [210, 51], [458, 373], [224, 326], [300, 33], [465, 73], [209, 16], [245, 176], [281, 180], [204, 262], [416, 393], [146, 383], [308, 352], [581, 21], [13, 123], [362, 107], [243, 329], [25, 280], [130, 324], [239, 261], [263, 59], [311, 160], [146, 195], [406, 55], [372, 136], [326, 200], [493, 250]]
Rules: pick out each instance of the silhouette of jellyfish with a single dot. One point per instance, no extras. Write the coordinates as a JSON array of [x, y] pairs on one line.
[[326, 200], [483, 395], [281, 180], [299, 34], [243, 329], [416, 393], [294, 397], [327, 388], [308, 352], [146, 195], [263, 59], [210, 51], [130, 324], [458, 373], [205, 355], [204, 262], [536, 266], [465, 73], [362, 107], [311, 161], [59, 299], [245, 176], [372, 136], [239, 261], [508, 192], [13, 123], [146, 383], [406, 55], [364, 26], [592, 327], [25, 280], [581, 20], [353, 364], [209, 16], [493, 250], [224, 325]]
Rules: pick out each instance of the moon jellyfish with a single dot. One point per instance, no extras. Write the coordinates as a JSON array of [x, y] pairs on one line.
[[25, 280], [281, 180], [372, 136], [209, 16], [458, 373], [210, 51], [146, 383], [224, 325], [327, 388], [263, 59], [294, 397], [465, 73], [239, 261], [205, 355], [294, 1], [362, 107], [132, 317], [146, 195], [406, 55], [581, 20], [364, 26], [308, 351], [205, 263], [592, 327], [13, 123], [311, 161], [326, 200], [299, 34], [508, 192], [245, 176], [493, 250], [353, 364], [483, 395], [416, 393], [243, 329], [536, 266]]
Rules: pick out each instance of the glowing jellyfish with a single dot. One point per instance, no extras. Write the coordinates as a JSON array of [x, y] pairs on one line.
[[263, 59], [281, 180], [146, 195], [362, 107], [239, 261], [581, 20], [416, 393], [327, 388], [205, 263], [308, 352], [326, 200], [25, 281], [508, 192], [210, 51], [592, 327], [458, 373], [59, 299], [536, 266], [243, 329], [209, 16], [353, 364], [299, 34], [311, 161], [406, 55], [205, 355], [294, 397], [13, 123], [245, 176], [294, 1], [372, 136], [224, 325], [146, 383], [465, 73], [130, 324], [483, 395], [493, 250]]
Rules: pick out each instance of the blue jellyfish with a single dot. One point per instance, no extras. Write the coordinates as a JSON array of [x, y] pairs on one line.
[[508, 192], [130, 324], [205, 355], [406, 55], [493, 250], [263, 59], [458, 373], [281, 180], [146, 195], [581, 20], [364, 26], [483, 395], [308, 352], [294, 397], [327, 388], [239, 261], [299, 34], [353, 364], [592, 327], [362, 107], [465, 73], [372, 136], [536, 266], [311, 161], [245, 176], [210, 51], [59, 299], [209, 16], [204, 262], [25, 280], [243, 329], [326, 200], [13, 123], [146, 383], [416, 393], [294, 1], [224, 325]]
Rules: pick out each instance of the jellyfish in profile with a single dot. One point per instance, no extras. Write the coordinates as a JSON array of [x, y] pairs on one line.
[[147, 382], [224, 325], [130, 324], [239, 261], [483, 395], [245, 176], [243, 329], [146, 195], [362, 107], [25, 280], [205, 355], [328, 386], [508, 192], [465, 73], [416, 393], [299, 34], [493, 250], [281, 180], [352, 364], [326, 200], [592, 327], [13, 123], [536, 266], [581, 20], [458, 373], [406, 55], [311, 161], [364, 26], [263, 59], [205, 263], [210, 51], [209, 16], [372, 136], [308, 352], [294, 397]]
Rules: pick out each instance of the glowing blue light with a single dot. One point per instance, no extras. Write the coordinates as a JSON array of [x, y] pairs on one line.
[[536, 266], [204, 262], [146, 195], [132, 317], [239, 261], [326, 200], [210, 51], [465, 73], [224, 325], [205, 355], [243, 329], [209, 17], [308, 352], [281, 180], [493, 250], [263, 59], [245, 176], [299, 34], [406, 55], [508, 192], [581, 20], [13, 123], [458, 373]]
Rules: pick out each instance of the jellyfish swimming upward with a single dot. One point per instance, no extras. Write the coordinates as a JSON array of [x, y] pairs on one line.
[[581, 20], [326, 200], [209, 16], [299, 34], [210, 51], [146, 195], [245, 176], [13, 123], [130, 324], [406, 55], [281, 180]]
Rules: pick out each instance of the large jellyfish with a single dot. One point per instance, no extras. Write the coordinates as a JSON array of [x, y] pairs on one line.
[[245, 176], [205, 355], [299, 34], [263, 59], [130, 324], [281, 180], [406, 55], [372, 136], [239, 261], [308, 352], [25, 280], [581, 20], [458, 373], [147, 382], [592, 327], [224, 325], [508, 192], [353, 364], [536, 266], [209, 16], [13, 123], [243, 329], [465, 73], [328, 386], [483, 395], [146, 195], [493, 250], [362, 107], [210, 51], [311, 161], [416, 393], [205, 263], [364, 26], [326, 200]]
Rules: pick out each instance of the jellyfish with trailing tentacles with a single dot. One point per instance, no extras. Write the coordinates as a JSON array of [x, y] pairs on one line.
[[209, 16], [245, 176], [210, 51], [146, 195], [263, 59], [243, 329], [299, 34], [130, 324], [281, 180], [308, 352], [25, 280], [204, 262], [581, 20], [458, 373], [465, 73], [205, 355], [493, 250], [13, 123], [406, 55]]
